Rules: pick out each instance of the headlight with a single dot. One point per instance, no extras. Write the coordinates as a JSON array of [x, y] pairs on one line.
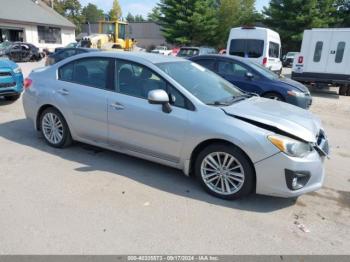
[[291, 146], [295, 93], [17, 70]]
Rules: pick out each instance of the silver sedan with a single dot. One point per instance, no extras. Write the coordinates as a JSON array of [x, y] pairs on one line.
[[177, 113]]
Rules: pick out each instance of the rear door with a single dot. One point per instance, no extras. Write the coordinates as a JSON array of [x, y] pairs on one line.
[[82, 90], [318, 52], [339, 52]]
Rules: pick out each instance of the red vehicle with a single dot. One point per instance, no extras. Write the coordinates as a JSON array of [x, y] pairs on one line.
[[174, 51]]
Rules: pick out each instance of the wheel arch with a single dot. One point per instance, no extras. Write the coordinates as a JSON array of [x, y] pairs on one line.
[[274, 92], [202, 145], [41, 110]]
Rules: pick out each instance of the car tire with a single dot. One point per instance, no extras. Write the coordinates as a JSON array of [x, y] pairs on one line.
[[60, 137], [222, 183], [274, 96], [343, 90], [12, 98]]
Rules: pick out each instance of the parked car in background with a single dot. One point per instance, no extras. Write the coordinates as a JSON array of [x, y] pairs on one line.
[[11, 80], [163, 50], [70, 45], [194, 51], [324, 59], [260, 45], [65, 53], [177, 113], [288, 59], [20, 52], [175, 51], [222, 52], [254, 78]]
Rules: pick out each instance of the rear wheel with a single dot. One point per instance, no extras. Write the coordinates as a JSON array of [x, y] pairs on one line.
[[343, 90], [224, 171], [12, 98], [55, 129], [274, 96]]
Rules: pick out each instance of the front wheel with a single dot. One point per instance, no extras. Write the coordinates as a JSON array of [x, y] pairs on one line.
[[54, 128], [224, 171]]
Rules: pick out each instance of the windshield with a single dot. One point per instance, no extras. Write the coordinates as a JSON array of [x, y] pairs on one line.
[[207, 86], [5, 45], [188, 52], [263, 70], [251, 48]]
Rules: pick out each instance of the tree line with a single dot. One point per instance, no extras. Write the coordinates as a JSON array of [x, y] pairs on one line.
[[208, 22]]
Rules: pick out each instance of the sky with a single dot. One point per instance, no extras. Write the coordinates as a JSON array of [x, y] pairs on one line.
[[142, 7]]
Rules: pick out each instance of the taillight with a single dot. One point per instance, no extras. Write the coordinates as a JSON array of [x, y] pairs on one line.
[[27, 83], [300, 59], [264, 61]]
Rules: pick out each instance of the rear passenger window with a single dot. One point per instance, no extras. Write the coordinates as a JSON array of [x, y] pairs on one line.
[[340, 52], [207, 63], [95, 72], [274, 50], [65, 72], [318, 51]]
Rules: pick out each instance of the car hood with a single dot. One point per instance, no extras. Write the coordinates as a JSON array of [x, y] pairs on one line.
[[7, 63], [277, 116], [293, 84]]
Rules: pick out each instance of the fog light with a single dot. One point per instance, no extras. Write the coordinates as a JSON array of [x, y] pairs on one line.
[[296, 179]]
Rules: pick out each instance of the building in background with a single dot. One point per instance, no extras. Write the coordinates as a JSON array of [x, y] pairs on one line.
[[147, 34], [34, 22]]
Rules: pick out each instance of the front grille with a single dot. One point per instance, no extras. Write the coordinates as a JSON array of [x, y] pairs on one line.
[[5, 85], [322, 143], [5, 74]]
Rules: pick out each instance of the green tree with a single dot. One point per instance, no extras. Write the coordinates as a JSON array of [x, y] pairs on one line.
[[130, 18], [116, 12], [154, 15], [291, 17], [139, 18], [92, 14], [187, 22], [71, 9], [228, 16], [343, 13]]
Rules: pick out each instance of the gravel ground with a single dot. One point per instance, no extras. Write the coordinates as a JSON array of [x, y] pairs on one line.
[[83, 200]]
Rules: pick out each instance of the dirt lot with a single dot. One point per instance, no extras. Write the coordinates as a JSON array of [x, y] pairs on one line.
[[84, 200]]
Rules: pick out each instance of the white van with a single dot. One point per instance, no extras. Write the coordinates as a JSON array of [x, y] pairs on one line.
[[324, 59], [261, 45]]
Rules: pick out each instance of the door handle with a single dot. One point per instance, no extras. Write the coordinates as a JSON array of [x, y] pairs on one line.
[[63, 92], [117, 106]]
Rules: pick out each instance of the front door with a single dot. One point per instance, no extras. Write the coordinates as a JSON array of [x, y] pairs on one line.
[[138, 126], [236, 74]]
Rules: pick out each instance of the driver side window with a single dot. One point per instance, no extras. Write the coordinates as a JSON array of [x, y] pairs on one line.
[[136, 80], [232, 69]]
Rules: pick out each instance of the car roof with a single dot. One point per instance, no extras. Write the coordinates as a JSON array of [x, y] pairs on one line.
[[214, 56], [136, 56]]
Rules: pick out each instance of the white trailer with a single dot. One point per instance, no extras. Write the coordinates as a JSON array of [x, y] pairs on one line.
[[324, 59]]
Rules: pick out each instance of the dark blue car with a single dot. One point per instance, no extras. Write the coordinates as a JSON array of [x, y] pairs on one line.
[[254, 78]]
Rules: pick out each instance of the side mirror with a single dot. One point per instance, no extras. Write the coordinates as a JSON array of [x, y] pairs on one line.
[[249, 75], [160, 97]]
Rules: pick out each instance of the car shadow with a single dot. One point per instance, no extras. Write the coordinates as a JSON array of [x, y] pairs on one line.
[[4, 102], [154, 175], [315, 92]]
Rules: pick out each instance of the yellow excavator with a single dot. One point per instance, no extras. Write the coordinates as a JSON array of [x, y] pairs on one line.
[[119, 33]]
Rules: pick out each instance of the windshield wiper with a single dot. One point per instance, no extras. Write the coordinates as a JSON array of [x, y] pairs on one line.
[[218, 103]]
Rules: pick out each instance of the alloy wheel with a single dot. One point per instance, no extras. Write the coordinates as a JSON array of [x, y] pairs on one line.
[[52, 128], [222, 173]]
